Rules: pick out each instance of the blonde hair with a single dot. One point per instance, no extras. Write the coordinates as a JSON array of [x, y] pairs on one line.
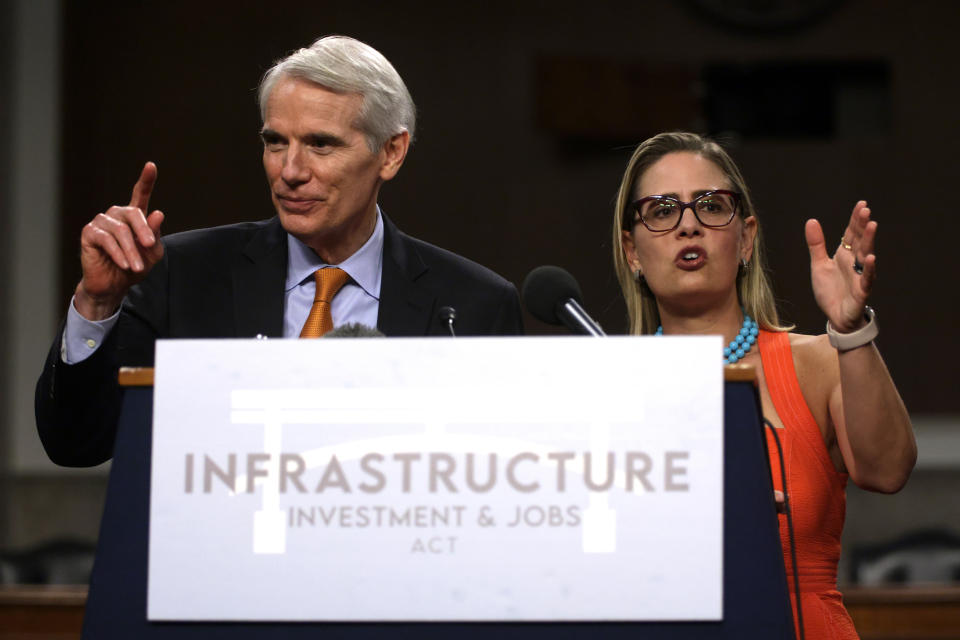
[[753, 285]]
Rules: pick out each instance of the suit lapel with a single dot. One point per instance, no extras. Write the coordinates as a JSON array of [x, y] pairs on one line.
[[259, 275], [406, 308]]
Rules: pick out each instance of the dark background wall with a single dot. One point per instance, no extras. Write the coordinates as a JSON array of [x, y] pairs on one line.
[[528, 112], [6, 19]]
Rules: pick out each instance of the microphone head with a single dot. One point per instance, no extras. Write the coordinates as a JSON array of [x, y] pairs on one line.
[[354, 330], [447, 314], [546, 288]]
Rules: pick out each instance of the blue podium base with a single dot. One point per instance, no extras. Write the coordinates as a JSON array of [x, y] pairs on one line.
[[755, 601]]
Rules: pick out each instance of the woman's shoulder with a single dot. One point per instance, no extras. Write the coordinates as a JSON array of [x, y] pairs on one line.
[[818, 374], [811, 346], [815, 361], [805, 341]]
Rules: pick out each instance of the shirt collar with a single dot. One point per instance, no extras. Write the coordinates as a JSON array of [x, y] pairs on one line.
[[363, 267]]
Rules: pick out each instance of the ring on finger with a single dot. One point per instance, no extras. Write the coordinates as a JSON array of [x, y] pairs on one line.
[[845, 244], [857, 266]]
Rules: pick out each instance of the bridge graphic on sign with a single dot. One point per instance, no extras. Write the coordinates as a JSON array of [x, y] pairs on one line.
[[274, 408]]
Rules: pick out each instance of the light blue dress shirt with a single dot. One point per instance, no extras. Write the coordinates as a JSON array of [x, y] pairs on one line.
[[358, 300]]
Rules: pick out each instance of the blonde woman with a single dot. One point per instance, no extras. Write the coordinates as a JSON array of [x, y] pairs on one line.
[[688, 253]]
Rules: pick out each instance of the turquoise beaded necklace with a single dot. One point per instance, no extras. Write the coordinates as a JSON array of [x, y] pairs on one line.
[[740, 345]]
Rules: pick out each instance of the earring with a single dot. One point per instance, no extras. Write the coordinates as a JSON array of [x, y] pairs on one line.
[[637, 275], [743, 263]]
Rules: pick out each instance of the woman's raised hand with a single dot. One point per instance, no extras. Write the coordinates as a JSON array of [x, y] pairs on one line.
[[842, 283]]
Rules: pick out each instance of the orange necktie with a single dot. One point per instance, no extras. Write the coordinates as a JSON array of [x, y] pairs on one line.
[[320, 321]]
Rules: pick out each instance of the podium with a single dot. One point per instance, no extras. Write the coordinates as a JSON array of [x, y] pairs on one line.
[[755, 597]]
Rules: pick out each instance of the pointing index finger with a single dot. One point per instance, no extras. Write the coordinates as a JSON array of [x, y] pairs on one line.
[[142, 190]]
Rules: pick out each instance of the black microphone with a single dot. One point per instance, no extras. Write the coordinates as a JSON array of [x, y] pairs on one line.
[[447, 315], [553, 296]]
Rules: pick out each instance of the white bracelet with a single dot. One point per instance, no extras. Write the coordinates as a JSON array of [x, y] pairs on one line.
[[864, 335]]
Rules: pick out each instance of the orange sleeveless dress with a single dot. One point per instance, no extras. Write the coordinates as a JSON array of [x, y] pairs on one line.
[[817, 498]]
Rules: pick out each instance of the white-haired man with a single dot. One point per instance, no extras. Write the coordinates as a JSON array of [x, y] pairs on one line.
[[337, 123]]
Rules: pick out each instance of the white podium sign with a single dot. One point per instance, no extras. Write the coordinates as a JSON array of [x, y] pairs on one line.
[[483, 479]]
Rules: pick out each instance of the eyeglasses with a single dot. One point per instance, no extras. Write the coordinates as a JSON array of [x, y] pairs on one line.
[[663, 213]]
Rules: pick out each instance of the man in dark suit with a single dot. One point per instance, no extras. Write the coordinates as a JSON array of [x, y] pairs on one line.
[[337, 124]]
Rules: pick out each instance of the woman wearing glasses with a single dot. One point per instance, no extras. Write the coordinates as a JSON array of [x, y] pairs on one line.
[[689, 257]]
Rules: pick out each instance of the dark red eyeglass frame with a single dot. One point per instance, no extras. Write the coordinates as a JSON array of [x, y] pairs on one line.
[[629, 222]]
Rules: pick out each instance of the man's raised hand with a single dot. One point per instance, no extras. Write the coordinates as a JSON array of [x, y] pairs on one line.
[[117, 250]]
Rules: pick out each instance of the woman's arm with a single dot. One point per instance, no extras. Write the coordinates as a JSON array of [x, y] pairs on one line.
[[873, 430]]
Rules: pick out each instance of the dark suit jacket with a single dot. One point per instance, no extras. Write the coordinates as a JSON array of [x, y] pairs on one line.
[[228, 282]]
